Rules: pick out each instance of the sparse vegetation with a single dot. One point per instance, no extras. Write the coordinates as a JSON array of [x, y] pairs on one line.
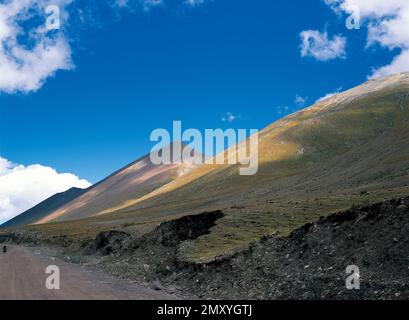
[[356, 152]]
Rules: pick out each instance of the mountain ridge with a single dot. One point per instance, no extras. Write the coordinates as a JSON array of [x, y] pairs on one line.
[[44, 208], [350, 149], [135, 177]]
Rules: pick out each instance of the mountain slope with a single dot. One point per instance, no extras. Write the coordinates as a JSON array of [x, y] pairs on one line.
[[348, 130], [350, 149], [44, 208], [136, 179]]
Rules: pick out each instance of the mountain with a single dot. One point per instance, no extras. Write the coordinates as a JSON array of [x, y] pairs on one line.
[[350, 149], [136, 179], [44, 208]]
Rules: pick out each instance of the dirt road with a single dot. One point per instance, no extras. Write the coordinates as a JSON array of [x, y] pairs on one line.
[[23, 277]]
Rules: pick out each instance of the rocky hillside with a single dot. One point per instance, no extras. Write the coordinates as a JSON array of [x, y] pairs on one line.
[[351, 149], [310, 263]]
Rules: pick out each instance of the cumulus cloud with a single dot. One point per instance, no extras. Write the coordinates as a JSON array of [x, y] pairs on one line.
[[23, 187], [388, 24], [300, 101], [29, 57], [399, 64], [230, 117], [318, 45], [329, 95], [30, 53]]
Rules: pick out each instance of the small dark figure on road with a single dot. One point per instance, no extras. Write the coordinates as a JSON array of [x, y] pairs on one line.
[[4, 249]]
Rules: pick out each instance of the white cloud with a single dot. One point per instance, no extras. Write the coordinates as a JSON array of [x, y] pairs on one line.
[[147, 4], [30, 54], [194, 3], [300, 101], [284, 110], [230, 117], [22, 187], [329, 95], [399, 64], [122, 3], [388, 24], [29, 57], [318, 45]]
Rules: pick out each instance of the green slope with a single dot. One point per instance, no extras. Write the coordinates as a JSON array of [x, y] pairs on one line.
[[347, 150]]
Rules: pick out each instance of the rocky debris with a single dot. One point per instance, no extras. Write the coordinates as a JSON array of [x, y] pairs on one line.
[[172, 233], [109, 242], [310, 263], [20, 237]]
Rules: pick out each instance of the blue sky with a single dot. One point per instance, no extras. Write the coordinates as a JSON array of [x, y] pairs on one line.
[[136, 68]]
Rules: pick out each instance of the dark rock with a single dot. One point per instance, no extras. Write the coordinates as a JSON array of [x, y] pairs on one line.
[[109, 242]]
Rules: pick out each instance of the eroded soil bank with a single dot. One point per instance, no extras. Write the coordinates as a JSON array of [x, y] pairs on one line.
[[308, 264]]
